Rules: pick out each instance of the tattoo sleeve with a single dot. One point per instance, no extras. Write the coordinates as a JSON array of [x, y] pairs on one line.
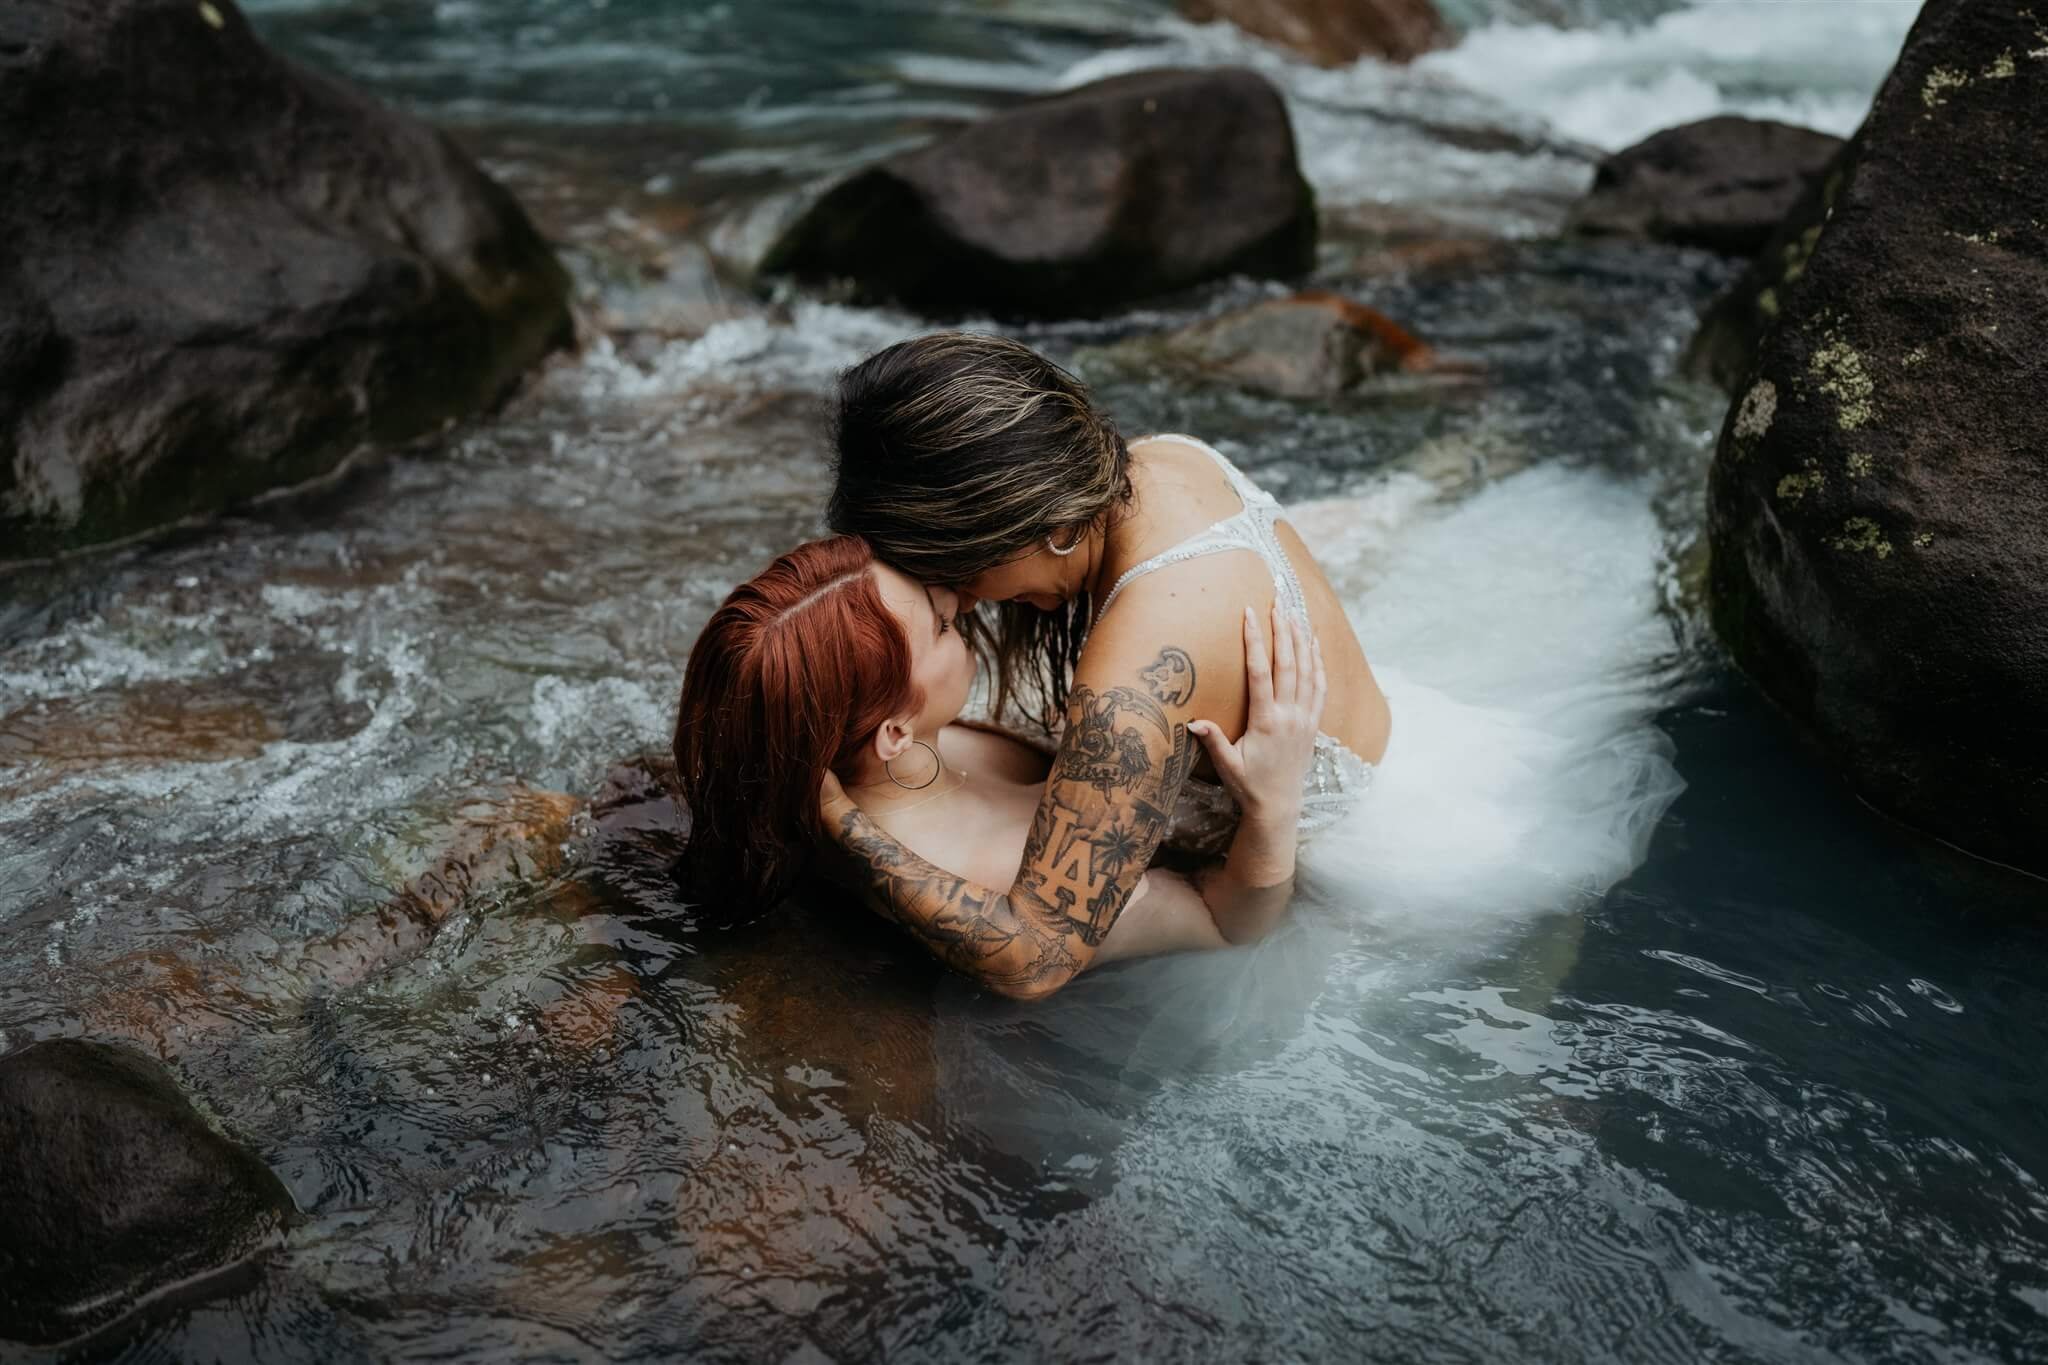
[[1106, 808]]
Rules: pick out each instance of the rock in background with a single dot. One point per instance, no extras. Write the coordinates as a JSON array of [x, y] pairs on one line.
[[1878, 509], [115, 1189], [1315, 345], [1333, 32], [1071, 206], [224, 274], [1724, 184]]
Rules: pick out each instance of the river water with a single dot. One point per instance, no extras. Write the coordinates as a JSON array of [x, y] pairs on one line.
[[1779, 1095]]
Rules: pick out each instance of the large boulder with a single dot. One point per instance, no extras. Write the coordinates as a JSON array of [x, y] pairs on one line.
[[114, 1189], [1878, 509], [1333, 32], [1072, 205], [1724, 184], [223, 274]]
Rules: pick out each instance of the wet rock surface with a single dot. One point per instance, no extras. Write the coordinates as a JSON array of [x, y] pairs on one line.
[[1735, 322], [1724, 184], [1312, 345], [1879, 503], [231, 275], [1333, 32], [115, 1189], [1071, 205]]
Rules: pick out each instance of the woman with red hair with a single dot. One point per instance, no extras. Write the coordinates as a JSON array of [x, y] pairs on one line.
[[831, 662]]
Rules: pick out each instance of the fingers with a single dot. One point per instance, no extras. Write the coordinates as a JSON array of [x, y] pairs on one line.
[[1222, 753], [1304, 659], [1321, 691], [1258, 673], [1285, 674]]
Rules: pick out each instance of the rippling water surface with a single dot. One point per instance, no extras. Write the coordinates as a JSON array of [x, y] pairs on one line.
[[1778, 1096]]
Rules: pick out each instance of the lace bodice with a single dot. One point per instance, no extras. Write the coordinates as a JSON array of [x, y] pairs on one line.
[[1206, 817]]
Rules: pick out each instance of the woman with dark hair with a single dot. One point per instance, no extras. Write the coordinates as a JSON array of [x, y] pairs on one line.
[[1115, 576], [829, 663], [974, 462]]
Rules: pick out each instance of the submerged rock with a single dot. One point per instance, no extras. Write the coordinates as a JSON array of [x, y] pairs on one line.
[[1878, 509], [115, 1190], [1724, 184], [226, 274], [1333, 32], [1072, 205]]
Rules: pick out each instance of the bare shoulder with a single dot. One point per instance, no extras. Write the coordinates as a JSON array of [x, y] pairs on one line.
[[1180, 487], [1178, 634]]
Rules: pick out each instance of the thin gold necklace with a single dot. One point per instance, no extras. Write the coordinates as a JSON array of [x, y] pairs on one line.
[[898, 810]]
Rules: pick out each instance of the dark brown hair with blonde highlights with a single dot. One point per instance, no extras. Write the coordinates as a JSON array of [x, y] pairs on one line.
[[958, 453]]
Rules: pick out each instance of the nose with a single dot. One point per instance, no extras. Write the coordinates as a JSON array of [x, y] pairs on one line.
[[963, 601]]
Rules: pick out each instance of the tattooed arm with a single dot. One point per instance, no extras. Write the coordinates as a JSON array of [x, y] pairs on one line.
[[1107, 802]]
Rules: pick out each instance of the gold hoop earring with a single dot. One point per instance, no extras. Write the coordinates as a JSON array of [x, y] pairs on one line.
[[938, 766], [1070, 549]]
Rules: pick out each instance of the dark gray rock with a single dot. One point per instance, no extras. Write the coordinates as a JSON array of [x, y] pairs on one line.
[[1724, 348], [223, 274], [1333, 32], [1724, 184], [1072, 205], [114, 1189], [1878, 508]]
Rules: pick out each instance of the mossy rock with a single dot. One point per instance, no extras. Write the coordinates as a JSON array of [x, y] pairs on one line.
[[1878, 507]]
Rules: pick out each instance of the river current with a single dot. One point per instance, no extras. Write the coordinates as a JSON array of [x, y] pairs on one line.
[[1779, 1095]]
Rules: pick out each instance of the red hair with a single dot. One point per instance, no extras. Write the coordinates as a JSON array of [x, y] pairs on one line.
[[791, 677]]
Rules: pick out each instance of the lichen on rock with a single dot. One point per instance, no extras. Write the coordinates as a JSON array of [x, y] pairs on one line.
[[1793, 488], [1759, 406], [1860, 534], [1844, 378], [1941, 80]]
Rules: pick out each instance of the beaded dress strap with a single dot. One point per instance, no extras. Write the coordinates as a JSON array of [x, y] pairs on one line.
[[1251, 527]]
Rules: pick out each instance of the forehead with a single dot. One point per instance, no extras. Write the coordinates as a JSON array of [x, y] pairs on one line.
[[904, 595]]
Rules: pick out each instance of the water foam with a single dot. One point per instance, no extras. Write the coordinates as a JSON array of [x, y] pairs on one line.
[[1610, 85], [806, 350], [1372, 132], [1520, 640]]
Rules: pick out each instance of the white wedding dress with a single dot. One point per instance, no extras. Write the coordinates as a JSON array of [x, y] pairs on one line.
[[1518, 638]]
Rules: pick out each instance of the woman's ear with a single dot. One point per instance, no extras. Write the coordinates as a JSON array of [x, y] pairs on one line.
[[892, 738]]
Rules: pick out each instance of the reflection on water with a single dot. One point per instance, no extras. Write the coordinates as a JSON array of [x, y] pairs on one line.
[[275, 808]]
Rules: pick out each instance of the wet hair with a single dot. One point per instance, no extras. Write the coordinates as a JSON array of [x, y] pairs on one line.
[[791, 676], [957, 453]]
